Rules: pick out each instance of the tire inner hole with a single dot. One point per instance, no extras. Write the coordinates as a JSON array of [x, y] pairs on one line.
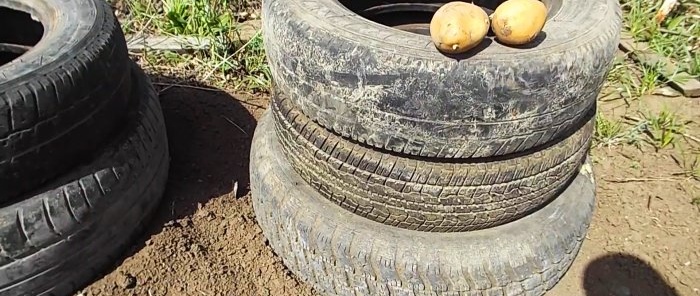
[[414, 16], [18, 34]]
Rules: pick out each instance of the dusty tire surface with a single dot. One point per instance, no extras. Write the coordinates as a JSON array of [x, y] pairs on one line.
[[392, 89], [423, 194], [340, 253], [58, 104], [63, 236]]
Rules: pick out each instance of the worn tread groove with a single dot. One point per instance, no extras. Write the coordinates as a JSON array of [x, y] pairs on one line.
[[69, 208], [84, 193], [22, 228], [47, 216]]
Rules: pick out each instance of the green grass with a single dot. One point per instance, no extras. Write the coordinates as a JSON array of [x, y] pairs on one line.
[[606, 130], [229, 63], [690, 165], [630, 80], [677, 37], [663, 129], [610, 133], [660, 130]]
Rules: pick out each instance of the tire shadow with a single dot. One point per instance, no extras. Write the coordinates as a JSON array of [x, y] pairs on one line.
[[209, 136], [621, 274]]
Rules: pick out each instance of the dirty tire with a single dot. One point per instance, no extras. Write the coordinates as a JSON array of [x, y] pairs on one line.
[[422, 194], [393, 90], [58, 240], [58, 104], [340, 253]]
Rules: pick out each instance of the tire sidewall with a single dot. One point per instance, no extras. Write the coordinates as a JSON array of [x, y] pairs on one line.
[[69, 26]]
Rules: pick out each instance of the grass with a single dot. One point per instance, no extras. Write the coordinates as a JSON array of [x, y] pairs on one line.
[[229, 62], [663, 129], [677, 37], [630, 80], [690, 165], [660, 130]]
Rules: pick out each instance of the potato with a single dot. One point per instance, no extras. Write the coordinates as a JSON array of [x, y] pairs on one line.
[[518, 22], [457, 27]]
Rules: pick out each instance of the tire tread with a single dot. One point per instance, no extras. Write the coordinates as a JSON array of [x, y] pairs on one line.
[[426, 195]]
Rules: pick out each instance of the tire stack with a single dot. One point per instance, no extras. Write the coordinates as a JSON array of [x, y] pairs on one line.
[[384, 167], [83, 146]]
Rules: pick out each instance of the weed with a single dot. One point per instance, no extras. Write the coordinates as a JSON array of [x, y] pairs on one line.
[[609, 133], [632, 80], [664, 128], [253, 61], [605, 129], [635, 165], [689, 164]]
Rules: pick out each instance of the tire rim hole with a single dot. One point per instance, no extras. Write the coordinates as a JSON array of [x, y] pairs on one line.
[[19, 34], [414, 15]]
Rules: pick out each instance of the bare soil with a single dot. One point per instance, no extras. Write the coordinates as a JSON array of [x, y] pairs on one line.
[[204, 240]]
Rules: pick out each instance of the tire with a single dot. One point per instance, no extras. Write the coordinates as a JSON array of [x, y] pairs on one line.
[[422, 194], [340, 253], [63, 236], [59, 104], [393, 90]]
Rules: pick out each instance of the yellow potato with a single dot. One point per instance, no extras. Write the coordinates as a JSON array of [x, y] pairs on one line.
[[517, 22], [457, 27]]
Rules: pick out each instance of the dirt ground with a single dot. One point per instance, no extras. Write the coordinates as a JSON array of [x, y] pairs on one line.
[[204, 240]]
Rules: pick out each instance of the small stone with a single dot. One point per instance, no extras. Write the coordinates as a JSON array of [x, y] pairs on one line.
[[126, 281], [185, 222], [666, 92]]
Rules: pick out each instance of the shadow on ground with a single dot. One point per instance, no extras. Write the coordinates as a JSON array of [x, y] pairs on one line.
[[621, 274], [209, 136], [209, 132]]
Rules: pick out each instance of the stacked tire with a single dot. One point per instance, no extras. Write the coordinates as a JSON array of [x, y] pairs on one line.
[[384, 167], [83, 147]]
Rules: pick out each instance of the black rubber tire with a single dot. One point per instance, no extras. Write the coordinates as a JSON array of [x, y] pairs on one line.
[[393, 90], [340, 253], [421, 194], [65, 97], [58, 240]]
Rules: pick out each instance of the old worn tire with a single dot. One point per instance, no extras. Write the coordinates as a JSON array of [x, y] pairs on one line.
[[424, 194], [63, 236], [340, 253], [63, 98], [394, 90]]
